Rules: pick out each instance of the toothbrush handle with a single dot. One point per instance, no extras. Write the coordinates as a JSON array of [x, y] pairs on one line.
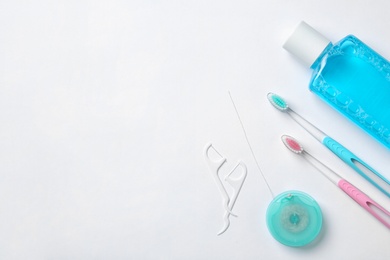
[[366, 202], [352, 160]]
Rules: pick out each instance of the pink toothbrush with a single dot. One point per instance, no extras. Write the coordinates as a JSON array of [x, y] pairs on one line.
[[362, 199]]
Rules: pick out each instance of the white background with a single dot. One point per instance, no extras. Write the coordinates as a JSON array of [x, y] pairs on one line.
[[106, 107]]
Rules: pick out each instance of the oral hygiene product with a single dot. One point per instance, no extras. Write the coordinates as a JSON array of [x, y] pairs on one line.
[[342, 152], [235, 183], [293, 217], [348, 75], [358, 196]]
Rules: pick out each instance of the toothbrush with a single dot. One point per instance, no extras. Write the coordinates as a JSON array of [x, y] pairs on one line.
[[343, 153], [358, 196]]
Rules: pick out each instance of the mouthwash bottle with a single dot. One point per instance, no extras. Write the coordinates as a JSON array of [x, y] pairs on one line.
[[348, 75]]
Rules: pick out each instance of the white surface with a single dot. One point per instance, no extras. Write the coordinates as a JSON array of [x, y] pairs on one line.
[[106, 107]]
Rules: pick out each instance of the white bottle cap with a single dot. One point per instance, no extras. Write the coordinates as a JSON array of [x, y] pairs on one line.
[[306, 43]]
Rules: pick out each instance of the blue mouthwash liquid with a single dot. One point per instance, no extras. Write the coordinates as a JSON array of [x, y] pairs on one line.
[[350, 76]]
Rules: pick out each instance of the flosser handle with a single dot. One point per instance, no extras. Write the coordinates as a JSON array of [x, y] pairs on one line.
[[353, 161], [366, 202]]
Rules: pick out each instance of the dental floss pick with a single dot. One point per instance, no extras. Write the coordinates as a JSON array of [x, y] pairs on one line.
[[235, 183], [215, 167]]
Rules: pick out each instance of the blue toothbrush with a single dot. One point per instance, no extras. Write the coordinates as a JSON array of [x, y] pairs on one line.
[[343, 153]]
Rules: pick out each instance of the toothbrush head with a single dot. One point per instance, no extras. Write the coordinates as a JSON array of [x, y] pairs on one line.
[[277, 101], [292, 144]]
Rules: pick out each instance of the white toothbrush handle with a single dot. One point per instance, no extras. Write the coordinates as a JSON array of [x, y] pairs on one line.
[[309, 127]]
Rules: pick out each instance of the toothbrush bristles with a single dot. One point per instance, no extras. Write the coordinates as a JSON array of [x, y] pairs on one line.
[[292, 144], [277, 101]]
